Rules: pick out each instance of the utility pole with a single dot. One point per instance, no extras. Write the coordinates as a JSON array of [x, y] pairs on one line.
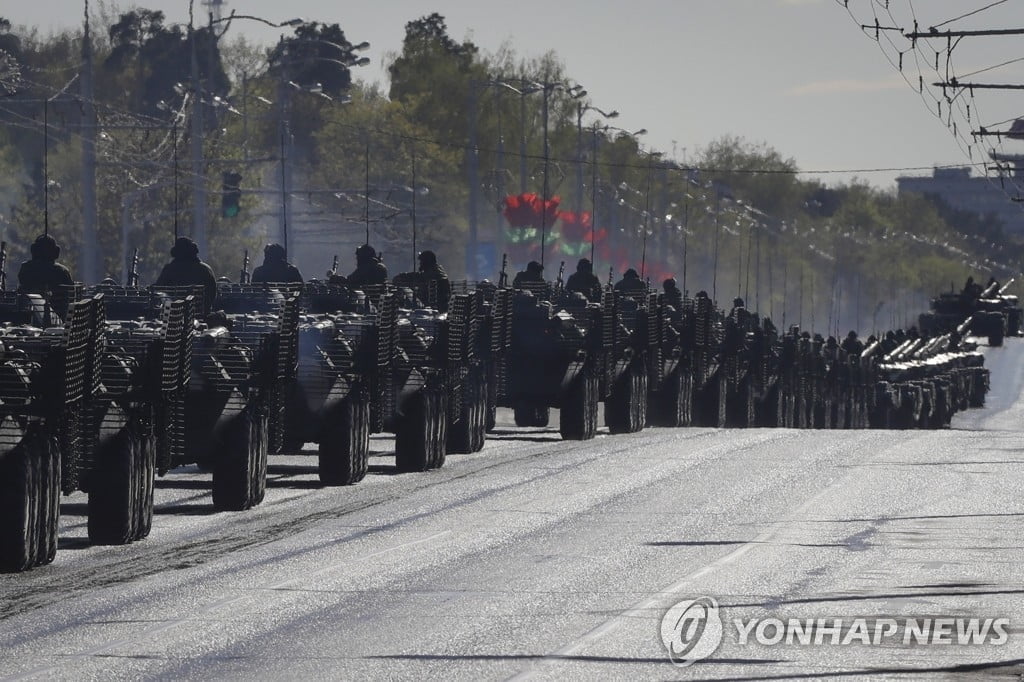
[[522, 141], [544, 195], [284, 132], [90, 265], [196, 146], [579, 157], [499, 229], [473, 169]]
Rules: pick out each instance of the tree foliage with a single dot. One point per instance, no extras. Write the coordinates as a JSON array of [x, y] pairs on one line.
[[358, 160]]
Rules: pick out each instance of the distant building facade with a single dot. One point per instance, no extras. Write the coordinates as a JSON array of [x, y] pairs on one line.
[[980, 195]]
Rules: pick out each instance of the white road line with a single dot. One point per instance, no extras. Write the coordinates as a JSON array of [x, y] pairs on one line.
[[614, 623]]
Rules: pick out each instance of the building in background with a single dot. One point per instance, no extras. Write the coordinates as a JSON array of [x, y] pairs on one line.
[[979, 195]]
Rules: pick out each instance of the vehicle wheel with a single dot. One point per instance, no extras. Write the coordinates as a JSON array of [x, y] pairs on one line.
[[997, 329], [412, 438], [723, 395], [625, 410], [748, 390], [345, 444], [491, 417], [482, 412], [19, 507], [262, 434], [532, 415], [670, 403], [439, 429], [114, 489], [687, 389], [742, 409], [465, 435], [578, 415], [241, 463], [147, 473], [50, 500], [640, 391], [775, 411]]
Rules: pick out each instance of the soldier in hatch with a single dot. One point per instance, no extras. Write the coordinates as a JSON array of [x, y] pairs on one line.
[[43, 274], [185, 269], [585, 281], [276, 267]]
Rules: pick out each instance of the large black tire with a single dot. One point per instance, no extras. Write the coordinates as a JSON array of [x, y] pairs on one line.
[[114, 490], [240, 468], [468, 434], [481, 416], [19, 506], [531, 415], [345, 444], [578, 415], [491, 416], [741, 412], [438, 429], [672, 401], [49, 515], [996, 329], [625, 410], [416, 448], [147, 475]]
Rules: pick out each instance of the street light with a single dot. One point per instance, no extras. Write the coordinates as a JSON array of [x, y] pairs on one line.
[[198, 187], [575, 92], [596, 130], [525, 89], [284, 99], [580, 110], [473, 160], [651, 155]]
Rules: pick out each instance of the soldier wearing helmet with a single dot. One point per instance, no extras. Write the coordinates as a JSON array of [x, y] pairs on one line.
[[43, 274], [534, 272], [276, 267], [585, 281], [631, 283], [369, 268], [185, 269], [431, 271]]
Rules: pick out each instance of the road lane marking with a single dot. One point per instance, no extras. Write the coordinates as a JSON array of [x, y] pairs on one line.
[[607, 627]]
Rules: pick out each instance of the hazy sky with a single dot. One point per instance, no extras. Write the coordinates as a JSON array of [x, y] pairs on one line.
[[797, 74]]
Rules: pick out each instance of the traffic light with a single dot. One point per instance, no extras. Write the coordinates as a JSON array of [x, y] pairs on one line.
[[231, 195]]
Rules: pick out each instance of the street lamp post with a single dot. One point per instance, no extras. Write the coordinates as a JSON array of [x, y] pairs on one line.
[[581, 108], [651, 155], [597, 130], [199, 232], [284, 126], [575, 92], [473, 161], [90, 266]]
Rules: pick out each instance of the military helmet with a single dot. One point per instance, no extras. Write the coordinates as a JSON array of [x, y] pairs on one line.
[[45, 247], [274, 252], [184, 248]]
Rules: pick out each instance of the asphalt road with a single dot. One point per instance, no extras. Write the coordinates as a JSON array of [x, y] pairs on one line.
[[538, 558]]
